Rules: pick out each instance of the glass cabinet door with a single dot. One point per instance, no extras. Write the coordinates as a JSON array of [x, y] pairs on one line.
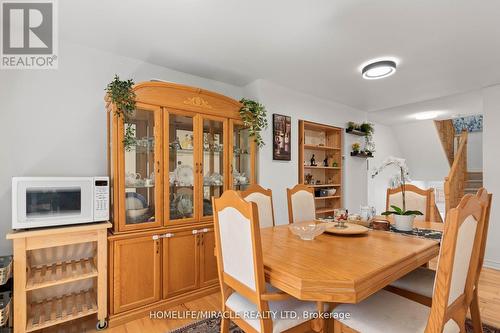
[[212, 161], [181, 166], [141, 169], [242, 157]]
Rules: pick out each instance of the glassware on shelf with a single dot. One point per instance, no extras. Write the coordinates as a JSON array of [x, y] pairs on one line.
[[139, 170], [241, 156], [215, 179], [212, 164], [240, 178], [181, 166]]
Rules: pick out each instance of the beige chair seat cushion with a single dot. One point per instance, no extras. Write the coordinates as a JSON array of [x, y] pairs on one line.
[[387, 312], [239, 304], [419, 281]]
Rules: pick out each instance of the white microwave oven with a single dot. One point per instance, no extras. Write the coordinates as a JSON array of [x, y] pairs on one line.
[[53, 201]]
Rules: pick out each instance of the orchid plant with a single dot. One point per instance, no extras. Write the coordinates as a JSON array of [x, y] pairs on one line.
[[403, 178]]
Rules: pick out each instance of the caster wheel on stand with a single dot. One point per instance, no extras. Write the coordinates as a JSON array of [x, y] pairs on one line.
[[101, 325]]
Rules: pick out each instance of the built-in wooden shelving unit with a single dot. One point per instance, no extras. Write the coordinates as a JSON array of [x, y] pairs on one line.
[[323, 141]]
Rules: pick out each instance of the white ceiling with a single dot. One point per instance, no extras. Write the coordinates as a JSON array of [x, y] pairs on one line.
[[444, 46], [448, 107]]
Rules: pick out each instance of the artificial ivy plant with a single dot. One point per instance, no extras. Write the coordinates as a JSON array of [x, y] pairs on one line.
[[122, 95], [254, 116]]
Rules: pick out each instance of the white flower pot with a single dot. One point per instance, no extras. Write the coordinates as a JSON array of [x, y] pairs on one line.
[[404, 222]]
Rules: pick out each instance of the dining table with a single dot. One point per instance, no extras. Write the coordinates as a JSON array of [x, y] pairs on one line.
[[335, 269]]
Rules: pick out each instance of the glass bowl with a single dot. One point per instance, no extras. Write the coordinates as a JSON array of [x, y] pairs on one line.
[[307, 230]]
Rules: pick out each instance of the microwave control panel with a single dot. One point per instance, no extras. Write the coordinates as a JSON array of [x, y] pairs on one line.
[[101, 198]]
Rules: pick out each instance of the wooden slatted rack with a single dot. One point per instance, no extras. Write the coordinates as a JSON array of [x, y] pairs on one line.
[[32, 314]]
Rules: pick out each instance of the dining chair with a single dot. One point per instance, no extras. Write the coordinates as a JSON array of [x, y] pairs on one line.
[[245, 296], [418, 285], [264, 200], [415, 198], [453, 292], [301, 205]]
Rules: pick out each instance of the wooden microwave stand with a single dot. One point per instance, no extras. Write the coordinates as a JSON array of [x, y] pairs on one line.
[[32, 313], [184, 146]]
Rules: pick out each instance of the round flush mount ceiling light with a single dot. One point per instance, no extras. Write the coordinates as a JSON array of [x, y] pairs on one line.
[[379, 69]]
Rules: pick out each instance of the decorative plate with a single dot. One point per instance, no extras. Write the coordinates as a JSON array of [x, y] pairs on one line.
[[183, 203], [352, 229], [134, 200], [184, 175]]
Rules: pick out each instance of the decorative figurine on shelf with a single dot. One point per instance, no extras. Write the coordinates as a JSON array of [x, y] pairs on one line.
[[313, 161], [335, 164], [325, 161], [308, 178], [187, 141], [175, 145]]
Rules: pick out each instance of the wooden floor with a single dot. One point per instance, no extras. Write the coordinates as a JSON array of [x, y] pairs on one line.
[[489, 293]]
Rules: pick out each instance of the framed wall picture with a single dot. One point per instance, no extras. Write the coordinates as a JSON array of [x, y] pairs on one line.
[[282, 141]]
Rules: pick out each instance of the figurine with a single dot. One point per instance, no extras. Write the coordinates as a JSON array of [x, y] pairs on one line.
[[175, 145], [313, 161], [325, 161], [335, 164]]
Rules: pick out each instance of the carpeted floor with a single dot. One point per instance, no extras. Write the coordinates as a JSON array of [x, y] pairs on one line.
[[212, 325]]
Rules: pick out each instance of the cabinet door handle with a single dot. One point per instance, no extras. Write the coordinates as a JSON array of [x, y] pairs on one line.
[[156, 237], [204, 230], [197, 169], [158, 166], [168, 235], [197, 240], [157, 245]]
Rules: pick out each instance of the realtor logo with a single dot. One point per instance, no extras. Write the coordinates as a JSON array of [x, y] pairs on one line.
[[29, 35]]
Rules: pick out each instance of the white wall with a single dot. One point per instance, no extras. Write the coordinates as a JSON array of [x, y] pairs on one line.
[[421, 147], [54, 122], [277, 175], [386, 145], [475, 151], [491, 163]]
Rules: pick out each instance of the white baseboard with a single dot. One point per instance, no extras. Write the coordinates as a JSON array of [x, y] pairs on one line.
[[491, 264]]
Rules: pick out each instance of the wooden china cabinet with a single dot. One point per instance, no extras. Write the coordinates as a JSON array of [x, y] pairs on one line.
[[184, 146]]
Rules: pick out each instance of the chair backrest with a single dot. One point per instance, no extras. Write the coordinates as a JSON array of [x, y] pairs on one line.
[[485, 198], [457, 264], [239, 250], [264, 200], [301, 205], [415, 198]]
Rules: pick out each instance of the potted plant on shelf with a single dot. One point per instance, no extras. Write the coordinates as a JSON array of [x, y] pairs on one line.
[[366, 128], [403, 219], [122, 95], [351, 126], [254, 116], [355, 148]]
